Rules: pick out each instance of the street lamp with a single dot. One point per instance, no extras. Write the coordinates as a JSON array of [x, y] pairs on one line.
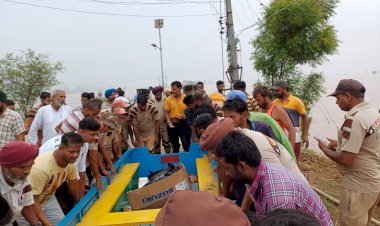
[[155, 46], [159, 23]]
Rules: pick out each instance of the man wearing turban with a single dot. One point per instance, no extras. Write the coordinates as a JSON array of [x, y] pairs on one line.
[[16, 160], [110, 95]]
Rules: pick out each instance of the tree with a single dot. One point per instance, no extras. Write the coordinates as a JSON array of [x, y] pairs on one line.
[[295, 33], [23, 78]]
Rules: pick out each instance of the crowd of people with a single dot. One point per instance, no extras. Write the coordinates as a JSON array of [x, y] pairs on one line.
[[50, 158]]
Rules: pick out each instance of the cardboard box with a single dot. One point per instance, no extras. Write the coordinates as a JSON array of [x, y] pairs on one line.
[[156, 194]]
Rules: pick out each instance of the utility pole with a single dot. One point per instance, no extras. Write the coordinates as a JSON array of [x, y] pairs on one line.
[[159, 23], [233, 68]]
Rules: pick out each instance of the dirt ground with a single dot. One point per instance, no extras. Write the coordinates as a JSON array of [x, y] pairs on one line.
[[322, 173]]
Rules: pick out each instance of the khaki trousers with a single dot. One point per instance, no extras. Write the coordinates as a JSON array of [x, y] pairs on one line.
[[165, 139], [148, 141], [356, 209]]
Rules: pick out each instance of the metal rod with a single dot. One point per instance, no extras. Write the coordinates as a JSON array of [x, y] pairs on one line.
[[162, 67]]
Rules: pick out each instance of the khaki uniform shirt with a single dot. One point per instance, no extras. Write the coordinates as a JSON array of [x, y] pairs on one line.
[[159, 106], [360, 135], [145, 120]]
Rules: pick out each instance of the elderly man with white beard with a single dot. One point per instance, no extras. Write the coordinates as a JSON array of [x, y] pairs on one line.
[[49, 116]]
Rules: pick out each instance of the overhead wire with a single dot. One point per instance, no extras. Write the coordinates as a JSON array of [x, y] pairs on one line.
[[247, 17], [262, 5], [328, 113], [252, 9], [273, 14], [215, 11], [323, 113], [11, 4], [245, 13], [143, 3], [105, 13]]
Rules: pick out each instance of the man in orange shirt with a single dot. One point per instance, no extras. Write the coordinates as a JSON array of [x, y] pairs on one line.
[[296, 111], [176, 119], [263, 97]]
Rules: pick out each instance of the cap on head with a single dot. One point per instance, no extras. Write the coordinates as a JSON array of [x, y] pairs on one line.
[[3, 97], [109, 92], [108, 120], [199, 209], [119, 103], [215, 133], [279, 84], [119, 111], [350, 86]]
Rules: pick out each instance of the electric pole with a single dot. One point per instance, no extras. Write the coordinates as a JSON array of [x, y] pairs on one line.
[[233, 68], [159, 23]]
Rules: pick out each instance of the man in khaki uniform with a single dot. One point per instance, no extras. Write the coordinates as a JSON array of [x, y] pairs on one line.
[[159, 102], [356, 154], [146, 123]]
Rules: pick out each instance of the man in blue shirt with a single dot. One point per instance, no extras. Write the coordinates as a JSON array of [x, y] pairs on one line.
[[190, 113]]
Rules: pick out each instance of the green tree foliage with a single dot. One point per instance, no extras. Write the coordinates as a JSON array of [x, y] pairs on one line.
[[294, 33], [22, 78]]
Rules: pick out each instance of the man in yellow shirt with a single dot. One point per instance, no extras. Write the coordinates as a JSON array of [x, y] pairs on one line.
[[296, 111], [49, 171], [176, 119]]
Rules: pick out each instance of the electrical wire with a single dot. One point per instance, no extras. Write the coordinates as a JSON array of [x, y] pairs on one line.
[[215, 11], [11, 4], [262, 5], [323, 113], [252, 9], [143, 3], [328, 113], [273, 14], [245, 13], [103, 13]]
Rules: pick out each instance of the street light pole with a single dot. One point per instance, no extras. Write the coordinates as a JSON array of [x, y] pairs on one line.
[[162, 67], [159, 23]]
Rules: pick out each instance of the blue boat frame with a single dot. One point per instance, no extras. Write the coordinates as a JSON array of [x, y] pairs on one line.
[[147, 162]]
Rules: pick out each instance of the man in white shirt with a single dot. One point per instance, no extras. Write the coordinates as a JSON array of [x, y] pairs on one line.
[[16, 160], [88, 130], [48, 117]]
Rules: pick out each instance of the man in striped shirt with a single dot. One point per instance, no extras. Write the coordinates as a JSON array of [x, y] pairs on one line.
[[272, 186], [251, 102], [146, 123], [71, 123]]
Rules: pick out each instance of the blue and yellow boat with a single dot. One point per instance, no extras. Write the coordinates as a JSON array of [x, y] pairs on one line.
[[106, 207]]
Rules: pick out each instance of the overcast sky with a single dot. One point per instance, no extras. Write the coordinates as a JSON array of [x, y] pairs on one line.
[[100, 51]]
